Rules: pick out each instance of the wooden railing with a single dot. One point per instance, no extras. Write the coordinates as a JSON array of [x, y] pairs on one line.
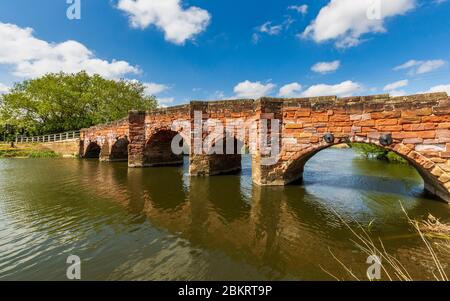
[[49, 138]]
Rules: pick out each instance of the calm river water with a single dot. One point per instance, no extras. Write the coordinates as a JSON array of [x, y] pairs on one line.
[[160, 224]]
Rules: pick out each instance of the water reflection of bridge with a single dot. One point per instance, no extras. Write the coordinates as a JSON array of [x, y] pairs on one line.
[[262, 226]]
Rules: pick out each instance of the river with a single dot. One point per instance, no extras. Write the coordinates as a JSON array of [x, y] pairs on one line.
[[160, 224]]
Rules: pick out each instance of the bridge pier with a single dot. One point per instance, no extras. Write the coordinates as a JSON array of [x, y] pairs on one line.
[[210, 165], [117, 152], [136, 123], [266, 157], [105, 152]]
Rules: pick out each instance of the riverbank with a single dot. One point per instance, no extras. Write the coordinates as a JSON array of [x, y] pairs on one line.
[[65, 149], [25, 151]]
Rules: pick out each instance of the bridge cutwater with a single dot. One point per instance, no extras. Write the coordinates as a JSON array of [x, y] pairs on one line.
[[416, 127]]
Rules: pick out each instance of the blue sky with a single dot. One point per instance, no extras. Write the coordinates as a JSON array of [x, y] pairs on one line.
[[215, 49]]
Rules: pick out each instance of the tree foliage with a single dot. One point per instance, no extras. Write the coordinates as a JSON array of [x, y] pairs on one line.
[[63, 102], [375, 151]]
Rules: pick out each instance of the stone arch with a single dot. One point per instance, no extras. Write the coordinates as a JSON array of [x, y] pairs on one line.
[[92, 150], [119, 150], [216, 159], [158, 149], [293, 168]]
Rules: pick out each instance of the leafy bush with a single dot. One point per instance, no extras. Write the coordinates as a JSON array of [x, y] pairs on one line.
[[377, 152]]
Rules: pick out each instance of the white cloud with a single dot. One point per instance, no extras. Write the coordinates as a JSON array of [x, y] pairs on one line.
[[395, 93], [421, 67], [218, 95], [248, 89], [346, 88], [154, 88], [255, 38], [396, 85], [439, 88], [346, 21], [179, 24], [165, 101], [291, 90], [270, 29], [301, 9], [392, 88], [326, 67], [32, 57], [408, 64], [3, 89], [429, 66]]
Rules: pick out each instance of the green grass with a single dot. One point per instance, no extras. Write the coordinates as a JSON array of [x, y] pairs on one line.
[[43, 154], [26, 153]]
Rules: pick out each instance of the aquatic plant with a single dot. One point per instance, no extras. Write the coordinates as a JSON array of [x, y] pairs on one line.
[[392, 267]]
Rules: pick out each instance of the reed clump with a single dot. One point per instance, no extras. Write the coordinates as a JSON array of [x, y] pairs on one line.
[[392, 268]]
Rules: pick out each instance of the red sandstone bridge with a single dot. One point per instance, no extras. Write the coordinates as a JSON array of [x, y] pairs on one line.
[[416, 127]]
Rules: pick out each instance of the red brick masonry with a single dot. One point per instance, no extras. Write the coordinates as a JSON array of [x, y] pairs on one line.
[[419, 126]]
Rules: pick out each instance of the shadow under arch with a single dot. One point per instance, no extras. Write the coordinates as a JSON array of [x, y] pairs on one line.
[[223, 154], [92, 151], [119, 150], [158, 149], [432, 186]]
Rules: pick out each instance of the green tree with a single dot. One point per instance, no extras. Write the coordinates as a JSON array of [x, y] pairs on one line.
[[63, 102], [375, 151]]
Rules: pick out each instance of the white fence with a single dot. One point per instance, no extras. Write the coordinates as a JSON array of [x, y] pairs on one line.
[[49, 138]]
